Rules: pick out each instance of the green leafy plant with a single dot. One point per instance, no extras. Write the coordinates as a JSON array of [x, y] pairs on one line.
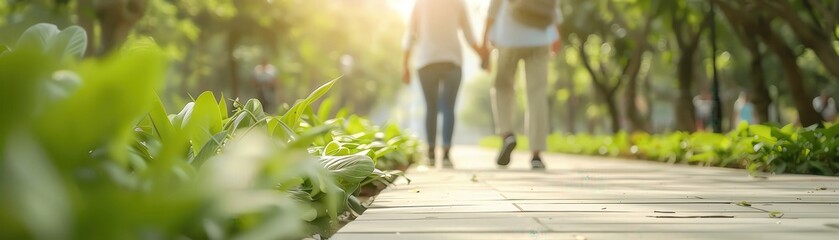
[[758, 148], [99, 157]]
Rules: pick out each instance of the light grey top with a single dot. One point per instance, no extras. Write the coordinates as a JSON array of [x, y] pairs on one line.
[[434, 31], [819, 106], [507, 32]]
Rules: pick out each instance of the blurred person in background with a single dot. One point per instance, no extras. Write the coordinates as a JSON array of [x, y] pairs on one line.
[[825, 106], [265, 76], [744, 110], [523, 30], [433, 41], [704, 106]]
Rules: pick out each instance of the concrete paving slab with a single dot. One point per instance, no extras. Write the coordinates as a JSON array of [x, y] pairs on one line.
[[581, 197]]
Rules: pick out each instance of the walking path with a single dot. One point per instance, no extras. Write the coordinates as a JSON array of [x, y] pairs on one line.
[[597, 198]]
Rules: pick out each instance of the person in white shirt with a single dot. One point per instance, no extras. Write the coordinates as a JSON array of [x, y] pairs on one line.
[[744, 109], [826, 106], [433, 41], [265, 76], [523, 30], [704, 108]]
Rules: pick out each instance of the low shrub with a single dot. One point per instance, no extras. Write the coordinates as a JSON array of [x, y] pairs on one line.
[[89, 152], [758, 148]]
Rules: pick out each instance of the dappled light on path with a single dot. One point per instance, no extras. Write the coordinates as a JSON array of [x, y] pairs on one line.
[[597, 198]]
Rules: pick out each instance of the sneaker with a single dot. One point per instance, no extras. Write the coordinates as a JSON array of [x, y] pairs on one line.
[[507, 150], [431, 159], [537, 164], [447, 163]]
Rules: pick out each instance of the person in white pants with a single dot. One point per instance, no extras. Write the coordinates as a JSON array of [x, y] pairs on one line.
[[826, 106], [518, 39]]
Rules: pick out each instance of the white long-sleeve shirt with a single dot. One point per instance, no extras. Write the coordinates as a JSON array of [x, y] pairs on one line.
[[828, 111], [507, 32], [434, 32]]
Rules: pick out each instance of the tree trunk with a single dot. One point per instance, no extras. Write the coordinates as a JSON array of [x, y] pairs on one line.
[[649, 99], [86, 13], [637, 121], [572, 105], [760, 93], [820, 42], [688, 43], [614, 113], [116, 19], [609, 96], [685, 111], [793, 76]]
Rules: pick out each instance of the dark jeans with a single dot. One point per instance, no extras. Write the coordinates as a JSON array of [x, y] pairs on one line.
[[440, 83]]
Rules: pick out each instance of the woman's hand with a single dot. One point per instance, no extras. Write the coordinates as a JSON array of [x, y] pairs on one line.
[[406, 76], [484, 53], [555, 47]]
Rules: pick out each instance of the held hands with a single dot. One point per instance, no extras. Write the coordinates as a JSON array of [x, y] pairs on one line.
[[484, 52], [406, 75], [555, 47]]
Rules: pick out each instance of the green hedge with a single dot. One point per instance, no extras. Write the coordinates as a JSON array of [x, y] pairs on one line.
[[89, 152], [758, 148]]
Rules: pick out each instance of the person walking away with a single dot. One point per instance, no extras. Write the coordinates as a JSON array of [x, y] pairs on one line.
[[434, 36], [703, 105], [744, 109], [265, 76], [522, 30], [826, 106]]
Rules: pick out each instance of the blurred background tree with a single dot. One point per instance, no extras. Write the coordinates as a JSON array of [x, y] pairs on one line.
[[628, 65], [216, 44]]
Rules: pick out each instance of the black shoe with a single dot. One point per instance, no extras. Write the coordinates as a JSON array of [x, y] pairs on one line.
[[507, 150], [537, 164]]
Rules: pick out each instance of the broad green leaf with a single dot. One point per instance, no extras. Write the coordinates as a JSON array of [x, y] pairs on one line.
[[343, 113], [331, 148], [278, 129], [788, 129], [247, 116], [313, 119], [222, 107], [348, 171], [285, 132], [178, 119], [831, 132], [292, 117], [22, 73], [325, 109], [355, 125], [255, 108], [209, 150], [204, 122], [116, 92], [306, 138], [37, 37], [764, 132], [162, 126], [392, 131], [69, 43]]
